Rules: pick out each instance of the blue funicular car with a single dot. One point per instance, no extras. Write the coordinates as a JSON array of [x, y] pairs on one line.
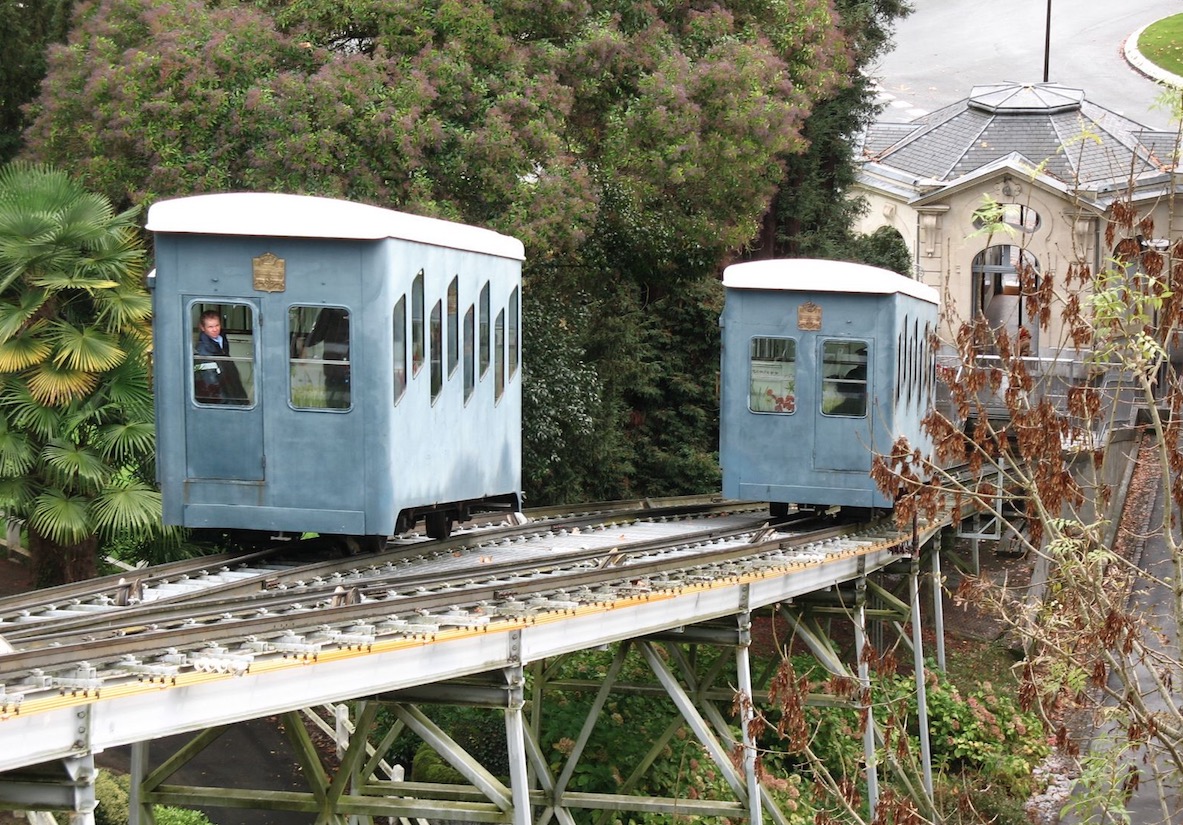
[[368, 373], [824, 364]]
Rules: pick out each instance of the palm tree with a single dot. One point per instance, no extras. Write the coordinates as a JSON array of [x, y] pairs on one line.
[[76, 427]]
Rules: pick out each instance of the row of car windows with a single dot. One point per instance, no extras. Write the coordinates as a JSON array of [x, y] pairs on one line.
[[915, 372], [773, 376], [320, 369]]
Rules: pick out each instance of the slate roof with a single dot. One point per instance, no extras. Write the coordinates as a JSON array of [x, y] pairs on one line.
[[1081, 143]]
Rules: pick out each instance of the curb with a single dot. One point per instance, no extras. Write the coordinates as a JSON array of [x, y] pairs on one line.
[[1143, 66]]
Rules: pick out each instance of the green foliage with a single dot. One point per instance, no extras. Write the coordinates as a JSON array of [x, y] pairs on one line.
[[76, 418], [168, 815], [633, 148], [111, 793], [480, 732], [1124, 308], [979, 738], [622, 397], [429, 766], [28, 29], [984, 732], [1108, 776], [464, 110], [571, 439], [628, 727], [813, 212], [674, 422], [836, 740], [970, 799], [883, 248]]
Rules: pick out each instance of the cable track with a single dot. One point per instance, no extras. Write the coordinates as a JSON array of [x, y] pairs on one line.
[[510, 572], [225, 574]]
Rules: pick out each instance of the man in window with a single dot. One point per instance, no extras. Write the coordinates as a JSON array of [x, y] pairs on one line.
[[215, 379]]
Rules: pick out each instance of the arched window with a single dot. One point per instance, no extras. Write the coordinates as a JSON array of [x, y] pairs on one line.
[[1015, 215], [997, 288]]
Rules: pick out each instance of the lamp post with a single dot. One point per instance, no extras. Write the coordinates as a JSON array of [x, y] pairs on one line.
[[1047, 40]]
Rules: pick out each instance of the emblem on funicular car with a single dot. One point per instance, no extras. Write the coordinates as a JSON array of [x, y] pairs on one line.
[[269, 273], [809, 316]]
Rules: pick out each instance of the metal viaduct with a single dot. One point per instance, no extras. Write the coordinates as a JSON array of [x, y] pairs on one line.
[[124, 663]]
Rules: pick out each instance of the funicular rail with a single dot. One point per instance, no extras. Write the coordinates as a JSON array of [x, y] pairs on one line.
[[420, 616], [144, 679], [419, 596], [305, 566]]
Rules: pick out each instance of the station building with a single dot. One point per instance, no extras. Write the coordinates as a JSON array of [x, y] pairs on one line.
[[1055, 165]]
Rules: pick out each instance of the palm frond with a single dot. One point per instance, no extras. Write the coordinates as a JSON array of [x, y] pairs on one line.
[[17, 453], [130, 507], [126, 441], [16, 495], [129, 387], [85, 220], [25, 411], [23, 351], [118, 250], [56, 385], [126, 309], [85, 348], [62, 518], [54, 232], [15, 315], [75, 464], [72, 278], [41, 188]]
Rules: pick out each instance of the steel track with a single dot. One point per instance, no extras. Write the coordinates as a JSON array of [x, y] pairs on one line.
[[397, 598]]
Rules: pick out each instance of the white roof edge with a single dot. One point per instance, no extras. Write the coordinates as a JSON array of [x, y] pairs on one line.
[[815, 275], [274, 215]]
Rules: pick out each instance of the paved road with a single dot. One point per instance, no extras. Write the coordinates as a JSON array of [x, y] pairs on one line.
[[948, 46]]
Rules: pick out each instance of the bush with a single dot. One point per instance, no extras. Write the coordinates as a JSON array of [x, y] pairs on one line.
[[984, 732], [167, 815], [429, 766], [112, 793], [960, 801]]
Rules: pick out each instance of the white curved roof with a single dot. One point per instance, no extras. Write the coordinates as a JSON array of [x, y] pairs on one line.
[[815, 275], [273, 215]]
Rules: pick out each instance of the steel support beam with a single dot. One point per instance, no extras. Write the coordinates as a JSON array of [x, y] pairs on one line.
[[918, 664], [866, 706], [589, 723], [139, 811], [938, 604], [743, 669], [66, 785], [515, 744], [695, 720], [489, 785], [711, 712]]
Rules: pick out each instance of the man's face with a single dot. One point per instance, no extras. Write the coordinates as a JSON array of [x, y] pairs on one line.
[[212, 327]]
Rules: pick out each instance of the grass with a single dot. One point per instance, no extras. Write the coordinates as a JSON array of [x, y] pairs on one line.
[[1162, 43]]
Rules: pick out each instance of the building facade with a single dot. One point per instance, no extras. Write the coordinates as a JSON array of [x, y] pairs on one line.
[[1046, 164]]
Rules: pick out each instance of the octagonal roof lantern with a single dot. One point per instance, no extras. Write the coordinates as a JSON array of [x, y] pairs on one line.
[[1031, 121], [1025, 98]]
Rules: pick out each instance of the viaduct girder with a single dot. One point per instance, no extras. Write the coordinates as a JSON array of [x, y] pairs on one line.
[[405, 673]]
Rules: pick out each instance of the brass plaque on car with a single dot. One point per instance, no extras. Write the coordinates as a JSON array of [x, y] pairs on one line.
[[809, 316], [269, 273]]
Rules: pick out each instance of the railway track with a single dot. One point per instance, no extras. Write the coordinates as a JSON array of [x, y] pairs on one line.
[[304, 565], [263, 609]]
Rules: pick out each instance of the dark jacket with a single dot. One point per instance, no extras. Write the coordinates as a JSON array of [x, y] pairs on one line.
[[216, 381]]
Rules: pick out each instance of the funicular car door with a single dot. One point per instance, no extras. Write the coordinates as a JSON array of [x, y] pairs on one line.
[[843, 413], [224, 416]]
